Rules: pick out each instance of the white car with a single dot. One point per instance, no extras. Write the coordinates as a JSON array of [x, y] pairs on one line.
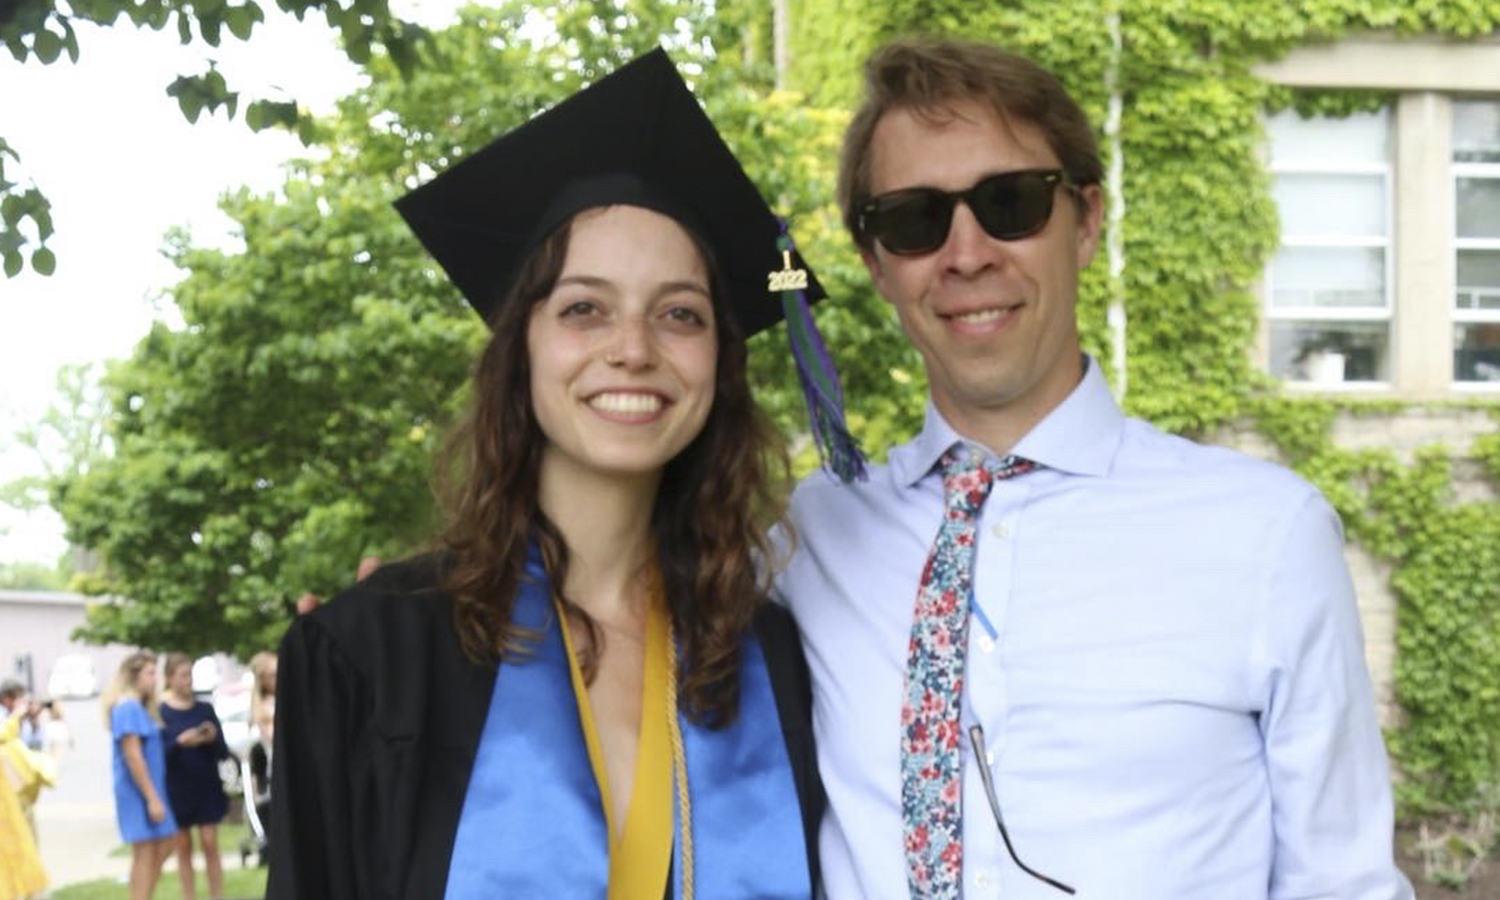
[[72, 677]]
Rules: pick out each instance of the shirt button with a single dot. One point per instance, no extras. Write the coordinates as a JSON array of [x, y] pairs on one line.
[[1000, 530], [986, 644], [981, 879]]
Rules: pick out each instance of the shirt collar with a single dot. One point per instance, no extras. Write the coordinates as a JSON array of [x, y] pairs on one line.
[[1080, 436]]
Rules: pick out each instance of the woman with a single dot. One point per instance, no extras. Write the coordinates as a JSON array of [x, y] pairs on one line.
[[21, 872], [195, 746], [262, 692], [583, 693], [140, 771]]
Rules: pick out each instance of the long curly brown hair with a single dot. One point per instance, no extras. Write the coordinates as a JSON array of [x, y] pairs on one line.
[[715, 503]]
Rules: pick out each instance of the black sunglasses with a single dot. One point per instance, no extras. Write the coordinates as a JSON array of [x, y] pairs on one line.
[[1009, 206]]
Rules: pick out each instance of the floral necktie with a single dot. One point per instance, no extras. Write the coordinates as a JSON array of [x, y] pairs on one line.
[[931, 764]]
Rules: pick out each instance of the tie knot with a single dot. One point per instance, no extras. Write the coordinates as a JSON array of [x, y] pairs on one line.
[[968, 475]]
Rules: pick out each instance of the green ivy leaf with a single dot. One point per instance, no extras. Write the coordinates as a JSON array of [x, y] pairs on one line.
[[209, 26], [188, 91], [47, 46], [240, 23], [70, 38], [43, 261]]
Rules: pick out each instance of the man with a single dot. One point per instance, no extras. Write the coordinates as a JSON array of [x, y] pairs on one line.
[[1151, 647], [15, 702]]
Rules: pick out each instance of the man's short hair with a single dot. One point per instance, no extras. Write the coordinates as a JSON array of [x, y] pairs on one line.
[[11, 688], [928, 74]]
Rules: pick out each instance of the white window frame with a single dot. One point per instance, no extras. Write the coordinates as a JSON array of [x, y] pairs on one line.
[[1385, 171], [1461, 316]]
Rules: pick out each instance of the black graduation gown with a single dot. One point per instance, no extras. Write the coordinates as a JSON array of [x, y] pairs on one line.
[[378, 720]]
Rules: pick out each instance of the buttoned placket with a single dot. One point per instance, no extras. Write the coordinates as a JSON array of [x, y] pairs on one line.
[[986, 699]]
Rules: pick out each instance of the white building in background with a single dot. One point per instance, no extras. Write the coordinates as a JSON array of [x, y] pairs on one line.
[[36, 629]]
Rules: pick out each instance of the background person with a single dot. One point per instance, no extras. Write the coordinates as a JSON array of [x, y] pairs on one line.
[[57, 736], [1151, 646], [262, 684], [140, 771], [194, 742], [21, 871], [509, 718], [16, 701], [22, 746], [367, 566]]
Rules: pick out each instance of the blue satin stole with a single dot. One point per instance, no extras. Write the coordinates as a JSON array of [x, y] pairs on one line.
[[533, 820]]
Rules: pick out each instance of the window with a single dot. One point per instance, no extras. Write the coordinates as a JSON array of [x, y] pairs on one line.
[[1476, 241], [1328, 297]]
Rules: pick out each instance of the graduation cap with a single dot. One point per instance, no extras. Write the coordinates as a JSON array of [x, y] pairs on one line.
[[636, 137]]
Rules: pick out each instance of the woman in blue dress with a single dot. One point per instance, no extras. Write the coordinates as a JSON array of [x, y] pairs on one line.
[[140, 772], [195, 746]]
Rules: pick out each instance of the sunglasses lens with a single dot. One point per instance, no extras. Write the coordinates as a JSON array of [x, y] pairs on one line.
[[1013, 205], [914, 221], [1009, 206]]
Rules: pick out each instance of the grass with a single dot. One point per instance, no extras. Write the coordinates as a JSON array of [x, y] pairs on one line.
[[238, 883], [230, 835]]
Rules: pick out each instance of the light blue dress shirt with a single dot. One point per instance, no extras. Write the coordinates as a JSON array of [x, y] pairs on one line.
[[1165, 656]]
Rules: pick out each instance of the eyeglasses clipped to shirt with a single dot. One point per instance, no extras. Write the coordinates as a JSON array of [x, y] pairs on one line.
[[976, 740]]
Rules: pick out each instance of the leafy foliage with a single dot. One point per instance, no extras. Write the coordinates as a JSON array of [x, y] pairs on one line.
[[287, 427], [282, 433], [44, 30]]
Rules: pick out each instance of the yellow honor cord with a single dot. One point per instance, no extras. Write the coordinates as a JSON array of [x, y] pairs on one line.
[[679, 766], [640, 853]]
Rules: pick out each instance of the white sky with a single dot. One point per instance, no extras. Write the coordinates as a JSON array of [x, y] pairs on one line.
[[121, 165]]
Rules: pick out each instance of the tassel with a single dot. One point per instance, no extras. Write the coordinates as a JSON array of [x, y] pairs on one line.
[[837, 448]]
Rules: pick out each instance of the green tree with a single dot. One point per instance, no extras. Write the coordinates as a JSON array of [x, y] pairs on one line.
[[288, 425], [31, 576], [69, 438], [45, 30], [282, 433]]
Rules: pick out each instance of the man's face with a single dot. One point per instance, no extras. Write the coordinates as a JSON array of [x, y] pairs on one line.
[[993, 320]]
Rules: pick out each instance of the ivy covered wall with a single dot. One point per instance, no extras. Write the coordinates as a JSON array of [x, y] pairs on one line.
[[1199, 228]]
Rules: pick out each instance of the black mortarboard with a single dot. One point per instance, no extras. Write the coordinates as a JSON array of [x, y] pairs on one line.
[[638, 137]]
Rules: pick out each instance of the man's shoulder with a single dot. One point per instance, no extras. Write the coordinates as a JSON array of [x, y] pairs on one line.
[[1210, 472], [819, 494]]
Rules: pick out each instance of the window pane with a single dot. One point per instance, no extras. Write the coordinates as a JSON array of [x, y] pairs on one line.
[[1478, 279], [1478, 203], [1330, 352], [1476, 352], [1331, 205], [1328, 277], [1360, 138], [1476, 131]]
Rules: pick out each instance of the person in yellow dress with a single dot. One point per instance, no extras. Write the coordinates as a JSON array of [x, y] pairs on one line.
[[21, 872]]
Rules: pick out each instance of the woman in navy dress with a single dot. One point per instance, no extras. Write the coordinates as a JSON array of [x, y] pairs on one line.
[[195, 746], [140, 772]]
